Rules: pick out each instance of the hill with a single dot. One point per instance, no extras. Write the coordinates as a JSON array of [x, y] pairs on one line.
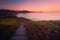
[[7, 13]]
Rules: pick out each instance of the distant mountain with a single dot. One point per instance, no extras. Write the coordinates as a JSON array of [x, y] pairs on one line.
[[7, 13], [24, 11], [4, 11], [12, 13]]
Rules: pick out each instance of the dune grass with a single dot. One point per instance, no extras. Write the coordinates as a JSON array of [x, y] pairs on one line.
[[36, 30], [43, 30], [8, 27]]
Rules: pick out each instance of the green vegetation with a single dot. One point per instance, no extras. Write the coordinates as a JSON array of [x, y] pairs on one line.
[[43, 30], [8, 27], [36, 30]]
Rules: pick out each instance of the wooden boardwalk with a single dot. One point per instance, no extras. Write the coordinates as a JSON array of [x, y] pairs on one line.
[[20, 34]]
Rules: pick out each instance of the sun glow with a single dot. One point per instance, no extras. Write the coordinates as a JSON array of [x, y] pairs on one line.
[[37, 5]]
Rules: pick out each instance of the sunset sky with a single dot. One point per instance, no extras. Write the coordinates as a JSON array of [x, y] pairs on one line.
[[33, 5]]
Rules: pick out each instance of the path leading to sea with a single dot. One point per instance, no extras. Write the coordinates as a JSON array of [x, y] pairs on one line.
[[20, 34]]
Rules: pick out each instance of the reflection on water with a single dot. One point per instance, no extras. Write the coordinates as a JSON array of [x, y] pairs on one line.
[[40, 16]]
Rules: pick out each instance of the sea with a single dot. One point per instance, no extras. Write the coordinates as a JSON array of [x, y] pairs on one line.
[[40, 16]]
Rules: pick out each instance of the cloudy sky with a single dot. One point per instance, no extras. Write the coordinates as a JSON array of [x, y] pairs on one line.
[[33, 5]]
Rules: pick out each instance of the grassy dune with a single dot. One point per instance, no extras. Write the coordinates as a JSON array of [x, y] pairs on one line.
[[43, 30], [36, 30], [8, 27]]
